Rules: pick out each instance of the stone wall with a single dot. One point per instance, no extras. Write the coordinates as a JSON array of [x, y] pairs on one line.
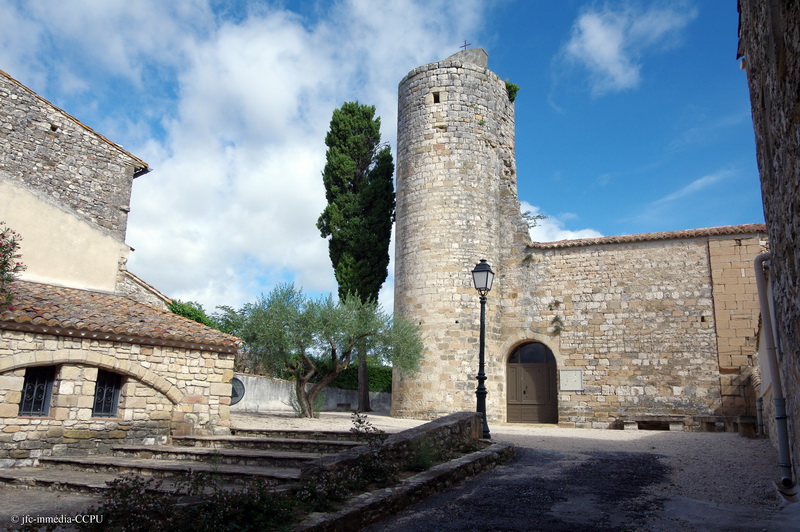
[[456, 182], [51, 153], [165, 391], [656, 324], [267, 394], [736, 315], [769, 41], [639, 321]]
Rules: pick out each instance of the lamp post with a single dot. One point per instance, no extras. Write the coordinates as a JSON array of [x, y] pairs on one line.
[[482, 276]]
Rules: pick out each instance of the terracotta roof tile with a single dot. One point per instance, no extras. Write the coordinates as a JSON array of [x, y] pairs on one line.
[[86, 314], [645, 237]]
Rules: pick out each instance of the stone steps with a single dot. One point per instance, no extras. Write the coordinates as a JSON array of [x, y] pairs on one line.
[[225, 473], [328, 435], [217, 456], [264, 443], [230, 461]]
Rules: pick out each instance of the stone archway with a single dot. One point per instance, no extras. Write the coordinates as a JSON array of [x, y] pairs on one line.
[[532, 385]]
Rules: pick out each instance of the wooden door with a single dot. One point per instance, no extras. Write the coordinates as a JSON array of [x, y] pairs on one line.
[[531, 377]]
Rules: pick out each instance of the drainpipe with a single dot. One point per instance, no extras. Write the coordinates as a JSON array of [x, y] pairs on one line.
[[784, 458]]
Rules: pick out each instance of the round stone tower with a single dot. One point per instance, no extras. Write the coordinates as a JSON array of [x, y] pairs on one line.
[[456, 203]]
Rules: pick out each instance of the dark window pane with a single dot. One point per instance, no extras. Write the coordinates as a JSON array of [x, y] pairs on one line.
[[532, 353], [36, 391], [106, 394]]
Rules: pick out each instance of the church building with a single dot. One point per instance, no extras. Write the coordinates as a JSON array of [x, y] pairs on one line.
[[653, 330]]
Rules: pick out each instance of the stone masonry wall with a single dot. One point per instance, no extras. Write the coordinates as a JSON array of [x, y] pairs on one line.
[[637, 319], [165, 391], [769, 40], [52, 154], [736, 312], [456, 180]]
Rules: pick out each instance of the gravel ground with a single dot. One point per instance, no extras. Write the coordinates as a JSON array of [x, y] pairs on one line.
[[668, 480], [582, 479]]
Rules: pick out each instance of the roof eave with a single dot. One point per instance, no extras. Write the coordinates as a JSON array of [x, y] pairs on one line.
[[107, 336]]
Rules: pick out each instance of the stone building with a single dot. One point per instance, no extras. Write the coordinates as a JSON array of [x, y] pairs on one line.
[[89, 355], [642, 330], [769, 43]]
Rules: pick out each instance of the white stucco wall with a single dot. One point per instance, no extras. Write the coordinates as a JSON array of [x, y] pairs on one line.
[[58, 247]]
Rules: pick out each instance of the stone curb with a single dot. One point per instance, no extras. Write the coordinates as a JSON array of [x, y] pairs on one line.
[[368, 508]]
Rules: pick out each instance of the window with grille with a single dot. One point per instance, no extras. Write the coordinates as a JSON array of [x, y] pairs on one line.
[[36, 391], [106, 394]]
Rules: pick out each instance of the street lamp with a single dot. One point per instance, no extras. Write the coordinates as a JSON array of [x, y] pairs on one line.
[[482, 276]]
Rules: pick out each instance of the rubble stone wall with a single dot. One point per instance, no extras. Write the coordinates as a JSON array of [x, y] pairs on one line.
[[51, 153], [769, 42], [165, 391]]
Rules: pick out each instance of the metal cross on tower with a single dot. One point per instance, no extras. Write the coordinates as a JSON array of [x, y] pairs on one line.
[[464, 46]]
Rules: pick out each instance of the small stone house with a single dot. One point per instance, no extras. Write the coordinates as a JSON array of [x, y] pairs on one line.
[[89, 353]]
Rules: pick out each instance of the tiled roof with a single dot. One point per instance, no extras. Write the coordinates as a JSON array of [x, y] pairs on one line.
[[142, 167], [61, 311], [645, 237]]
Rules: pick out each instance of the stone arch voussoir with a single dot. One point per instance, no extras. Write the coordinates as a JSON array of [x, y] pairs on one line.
[[124, 367]]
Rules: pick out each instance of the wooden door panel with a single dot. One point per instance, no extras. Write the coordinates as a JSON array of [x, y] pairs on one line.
[[532, 394]]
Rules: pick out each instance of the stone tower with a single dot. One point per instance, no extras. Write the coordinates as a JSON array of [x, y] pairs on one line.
[[456, 203]]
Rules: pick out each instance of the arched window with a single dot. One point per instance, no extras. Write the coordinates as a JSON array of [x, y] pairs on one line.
[[532, 353]]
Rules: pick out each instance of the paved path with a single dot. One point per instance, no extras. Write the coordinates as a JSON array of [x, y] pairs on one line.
[[562, 479], [586, 485]]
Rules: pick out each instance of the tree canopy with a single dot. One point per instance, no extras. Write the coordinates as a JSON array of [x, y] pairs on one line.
[[360, 212], [314, 340], [361, 201]]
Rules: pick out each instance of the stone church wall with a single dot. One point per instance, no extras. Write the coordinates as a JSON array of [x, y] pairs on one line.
[[769, 41], [655, 324]]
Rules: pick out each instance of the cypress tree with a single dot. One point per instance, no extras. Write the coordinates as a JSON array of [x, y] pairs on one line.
[[360, 212]]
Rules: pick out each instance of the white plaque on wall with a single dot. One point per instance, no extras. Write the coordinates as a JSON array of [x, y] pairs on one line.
[[571, 380]]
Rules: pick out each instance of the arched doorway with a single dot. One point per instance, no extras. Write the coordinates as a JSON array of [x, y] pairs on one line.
[[532, 394]]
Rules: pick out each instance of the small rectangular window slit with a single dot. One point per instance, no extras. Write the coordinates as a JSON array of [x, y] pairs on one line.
[[435, 97]]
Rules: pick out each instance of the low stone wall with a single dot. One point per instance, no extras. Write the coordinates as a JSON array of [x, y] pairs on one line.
[[372, 507], [446, 432], [265, 394]]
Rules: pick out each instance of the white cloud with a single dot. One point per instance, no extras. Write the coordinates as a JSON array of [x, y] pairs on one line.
[[611, 41], [552, 228], [695, 186], [231, 206], [230, 109]]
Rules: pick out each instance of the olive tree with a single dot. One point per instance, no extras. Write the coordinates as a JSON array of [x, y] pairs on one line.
[[314, 340]]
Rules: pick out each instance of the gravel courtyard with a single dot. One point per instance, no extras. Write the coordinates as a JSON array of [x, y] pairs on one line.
[[562, 479]]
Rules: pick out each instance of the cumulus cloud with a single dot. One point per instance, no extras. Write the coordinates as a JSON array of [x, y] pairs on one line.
[[229, 105], [553, 228], [610, 42]]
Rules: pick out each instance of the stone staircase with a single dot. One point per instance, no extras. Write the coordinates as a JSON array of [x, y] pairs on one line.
[[231, 461]]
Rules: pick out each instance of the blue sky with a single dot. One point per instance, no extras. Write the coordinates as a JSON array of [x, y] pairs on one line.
[[632, 117]]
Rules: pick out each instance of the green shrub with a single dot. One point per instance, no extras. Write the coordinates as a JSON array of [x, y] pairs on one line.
[[380, 379], [511, 89], [193, 311]]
